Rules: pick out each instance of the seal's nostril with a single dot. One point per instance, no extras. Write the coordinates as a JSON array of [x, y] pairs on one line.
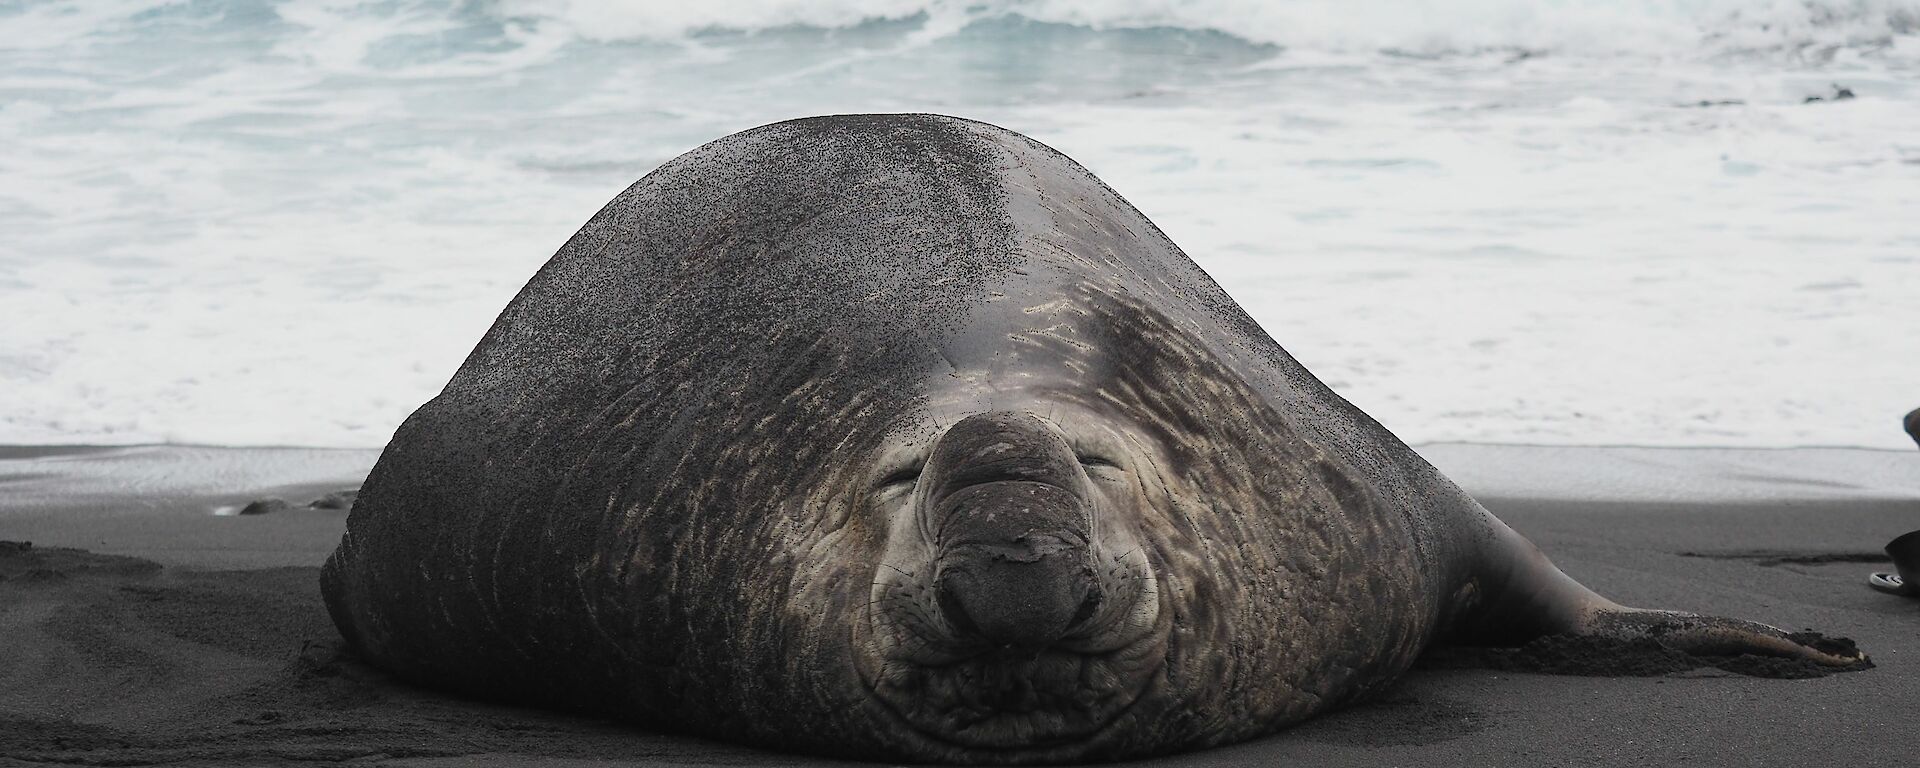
[[1030, 603], [954, 611], [1088, 608]]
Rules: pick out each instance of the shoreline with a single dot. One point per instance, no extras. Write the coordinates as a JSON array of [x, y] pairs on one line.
[[60, 476], [174, 504]]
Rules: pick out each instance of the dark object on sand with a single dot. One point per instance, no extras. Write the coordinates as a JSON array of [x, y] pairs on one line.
[[1912, 423], [22, 562], [1905, 552], [335, 500], [1840, 93], [265, 507], [903, 437]]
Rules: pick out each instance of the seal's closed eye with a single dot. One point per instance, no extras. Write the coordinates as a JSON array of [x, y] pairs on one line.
[[1094, 460], [907, 476], [1098, 453], [899, 471]]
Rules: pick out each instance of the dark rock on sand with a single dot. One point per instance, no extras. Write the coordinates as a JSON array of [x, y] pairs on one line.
[[336, 500], [266, 507], [341, 500], [1840, 93], [1913, 425], [22, 562]]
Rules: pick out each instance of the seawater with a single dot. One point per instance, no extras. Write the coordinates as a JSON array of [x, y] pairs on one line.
[[287, 221]]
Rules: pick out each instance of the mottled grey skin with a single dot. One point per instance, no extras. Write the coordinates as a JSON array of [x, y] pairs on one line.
[[904, 437]]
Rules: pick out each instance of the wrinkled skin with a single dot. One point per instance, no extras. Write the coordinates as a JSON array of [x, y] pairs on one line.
[[1219, 544], [903, 437]]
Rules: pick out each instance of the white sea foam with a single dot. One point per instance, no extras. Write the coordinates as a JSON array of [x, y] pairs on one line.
[[252, 222], [1667, 27]]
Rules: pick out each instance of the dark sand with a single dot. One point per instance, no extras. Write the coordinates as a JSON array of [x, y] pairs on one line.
[[187, 637]]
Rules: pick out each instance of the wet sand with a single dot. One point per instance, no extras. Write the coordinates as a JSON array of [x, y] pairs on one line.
[[141, 627]]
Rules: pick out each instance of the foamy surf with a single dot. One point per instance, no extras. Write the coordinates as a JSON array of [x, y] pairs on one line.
[[256, 223]]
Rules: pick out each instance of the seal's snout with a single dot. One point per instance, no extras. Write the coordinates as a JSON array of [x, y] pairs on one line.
[[1013, 524], [1016, 606], [1026, 598]]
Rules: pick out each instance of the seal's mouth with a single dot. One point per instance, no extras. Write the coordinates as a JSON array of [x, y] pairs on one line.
[[967, 691], [1010, 698]]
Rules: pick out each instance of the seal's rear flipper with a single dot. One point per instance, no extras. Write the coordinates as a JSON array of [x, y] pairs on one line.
[[1513, 595], [1720, 636]]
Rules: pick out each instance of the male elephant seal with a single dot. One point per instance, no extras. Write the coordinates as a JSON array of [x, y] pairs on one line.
[[904, 437]]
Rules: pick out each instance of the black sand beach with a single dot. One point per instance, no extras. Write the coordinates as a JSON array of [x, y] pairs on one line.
[[141, 627]]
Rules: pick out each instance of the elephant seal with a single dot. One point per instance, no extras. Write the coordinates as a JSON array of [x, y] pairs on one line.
[[903, 437]]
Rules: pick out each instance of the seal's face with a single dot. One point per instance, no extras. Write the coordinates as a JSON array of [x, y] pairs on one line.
[[1015, 607], [1092, 539]]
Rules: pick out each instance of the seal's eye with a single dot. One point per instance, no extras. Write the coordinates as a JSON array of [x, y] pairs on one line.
[[1099, 453], [901, 479]]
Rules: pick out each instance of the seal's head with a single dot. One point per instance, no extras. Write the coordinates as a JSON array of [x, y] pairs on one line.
[[1092, 539], [1015, 606]]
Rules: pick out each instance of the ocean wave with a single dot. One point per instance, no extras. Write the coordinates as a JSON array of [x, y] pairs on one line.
[[349, 33], [1658, 27], [254, 222]]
